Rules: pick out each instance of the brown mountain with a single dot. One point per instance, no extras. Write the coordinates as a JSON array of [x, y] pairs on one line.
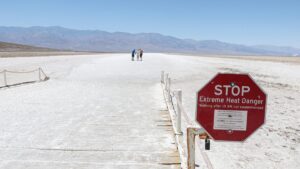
[[13, 47]]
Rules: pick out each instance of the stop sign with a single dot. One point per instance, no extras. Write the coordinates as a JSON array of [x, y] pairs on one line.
[[231, 107]]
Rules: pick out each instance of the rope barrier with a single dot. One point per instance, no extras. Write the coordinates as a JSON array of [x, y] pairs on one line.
[[185, 115], [31, 71], [188, 121], [171, 99], [17, 81]]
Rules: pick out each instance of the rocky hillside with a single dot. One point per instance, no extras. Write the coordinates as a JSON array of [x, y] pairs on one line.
[[12, 47]]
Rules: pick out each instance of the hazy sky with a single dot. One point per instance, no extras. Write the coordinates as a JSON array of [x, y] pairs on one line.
[[249, 22]]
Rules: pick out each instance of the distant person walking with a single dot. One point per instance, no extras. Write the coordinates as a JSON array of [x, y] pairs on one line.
[[132, 54], [138, 54], [141, 54]]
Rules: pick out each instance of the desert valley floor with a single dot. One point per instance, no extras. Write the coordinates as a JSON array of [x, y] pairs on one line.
[[88, 93]]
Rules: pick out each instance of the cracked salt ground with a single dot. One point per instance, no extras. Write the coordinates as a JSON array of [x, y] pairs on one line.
[[101, 114], [105, 111]]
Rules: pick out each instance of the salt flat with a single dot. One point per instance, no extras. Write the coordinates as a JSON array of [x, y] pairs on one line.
[[105, 111], [94, 112]]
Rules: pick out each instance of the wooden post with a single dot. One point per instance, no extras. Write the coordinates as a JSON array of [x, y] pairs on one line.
[[4, 76], [169, 89], [166, 81], [40, 78], [162, 80], [169, 84], [191, 133], [178, 117]]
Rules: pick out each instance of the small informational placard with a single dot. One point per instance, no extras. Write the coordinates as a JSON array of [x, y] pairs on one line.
[[230, 120]]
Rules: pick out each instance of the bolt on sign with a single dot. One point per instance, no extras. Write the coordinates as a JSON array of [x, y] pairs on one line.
[[231, 107]]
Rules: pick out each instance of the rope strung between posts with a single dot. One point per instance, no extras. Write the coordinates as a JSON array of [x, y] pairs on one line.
[[185, 115], [10, 71], [189, 122], [41, 77], [31, 71], [171, 99]]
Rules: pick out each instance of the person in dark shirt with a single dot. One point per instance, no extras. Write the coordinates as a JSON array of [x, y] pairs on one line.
[[141, 54], [132, 54]]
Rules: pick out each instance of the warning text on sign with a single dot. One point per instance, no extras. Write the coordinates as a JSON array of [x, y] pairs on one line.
[[230, 120]]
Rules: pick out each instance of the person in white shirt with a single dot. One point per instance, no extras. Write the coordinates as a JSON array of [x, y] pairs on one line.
[[138, 54]]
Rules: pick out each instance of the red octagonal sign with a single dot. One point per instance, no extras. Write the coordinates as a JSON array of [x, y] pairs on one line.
[[231, 107]]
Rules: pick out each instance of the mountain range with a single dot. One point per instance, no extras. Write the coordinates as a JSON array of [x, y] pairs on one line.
[[101, 41]]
